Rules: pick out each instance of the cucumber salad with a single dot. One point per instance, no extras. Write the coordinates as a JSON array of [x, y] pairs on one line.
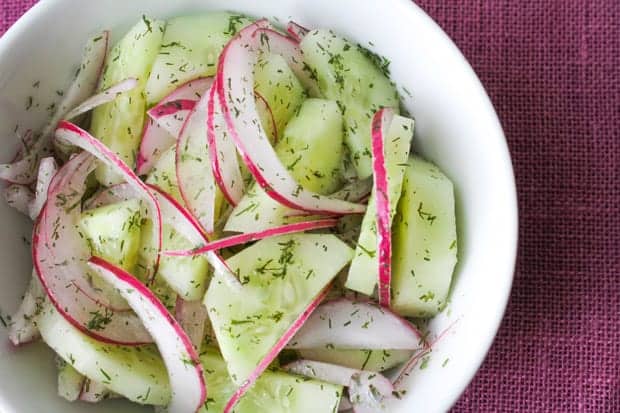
[[229, 217]]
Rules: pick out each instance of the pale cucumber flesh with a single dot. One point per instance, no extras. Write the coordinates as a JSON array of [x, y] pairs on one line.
[[347, 74], [119, 124], [370, 360], [274, 391], [191, 46], [280, 277], [137, 373], [425, 241], [311, 149]]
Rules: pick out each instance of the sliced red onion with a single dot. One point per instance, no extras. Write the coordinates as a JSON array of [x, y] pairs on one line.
[[277, 348], [47, 169], [296, 31], [380, 126], [192, 316], [193, 167], [102, 98], [234, 83], [348, 324], [155, 141], [23, 329], [172, 111], [112, 195], [84, 85], [68, 132], [222, 152], [185, 224], [261, 103], [166, 120], [60, 254], [184, 368], [19, 197], [254, 236], [368, 391]]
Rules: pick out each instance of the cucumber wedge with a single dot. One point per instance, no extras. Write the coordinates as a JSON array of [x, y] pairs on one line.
[[425, 246], [346, 73], [363, 274], [274, 391], [190, 48], [282, 91], [136, 373], [280, 277], [114, 233], [119, 123], [187, 276], [370, 360], [164, 175], [311, 148], [70, 381]]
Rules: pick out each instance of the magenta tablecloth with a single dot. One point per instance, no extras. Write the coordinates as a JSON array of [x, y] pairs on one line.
[[552, 69]]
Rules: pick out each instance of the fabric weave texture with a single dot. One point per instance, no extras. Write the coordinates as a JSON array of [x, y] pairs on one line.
[[552, 70]]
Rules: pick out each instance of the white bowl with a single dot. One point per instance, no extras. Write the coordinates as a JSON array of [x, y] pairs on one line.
[[456, 127]]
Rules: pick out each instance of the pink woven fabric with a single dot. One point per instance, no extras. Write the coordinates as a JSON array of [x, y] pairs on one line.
[[552, 69]]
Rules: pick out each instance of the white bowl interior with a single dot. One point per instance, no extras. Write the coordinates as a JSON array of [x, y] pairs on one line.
[[456, 127]]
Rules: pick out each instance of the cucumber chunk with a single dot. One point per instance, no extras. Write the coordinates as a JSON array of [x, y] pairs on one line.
[[277, 84], [425, 246], [370, 360], [190, 48], [187, 276], [164, 175], [274, 391], [280, 277], [70, 381], [346, 73], [118, 124], [137, 373], [311, 148], [363, 274], [113, 233]]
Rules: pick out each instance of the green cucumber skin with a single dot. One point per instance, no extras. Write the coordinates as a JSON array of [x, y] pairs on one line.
[[274, 391], [119, 124], [137, 373], [347, 75], [280, 277], [363, 274], [191, 46], [311, 148], [425, 241]]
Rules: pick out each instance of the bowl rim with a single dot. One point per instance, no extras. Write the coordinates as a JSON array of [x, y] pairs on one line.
[[511, 229]]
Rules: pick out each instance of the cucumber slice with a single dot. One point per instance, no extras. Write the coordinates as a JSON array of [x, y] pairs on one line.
[[164, 175], [280, 277], [277, 84], [363, 274], [190, 48], [114, 234], [137, 373], [346, 73], [370, 360], [425, 247], [274, 391], [311, 147], [187, 276], [70, 381], [118, 124]]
